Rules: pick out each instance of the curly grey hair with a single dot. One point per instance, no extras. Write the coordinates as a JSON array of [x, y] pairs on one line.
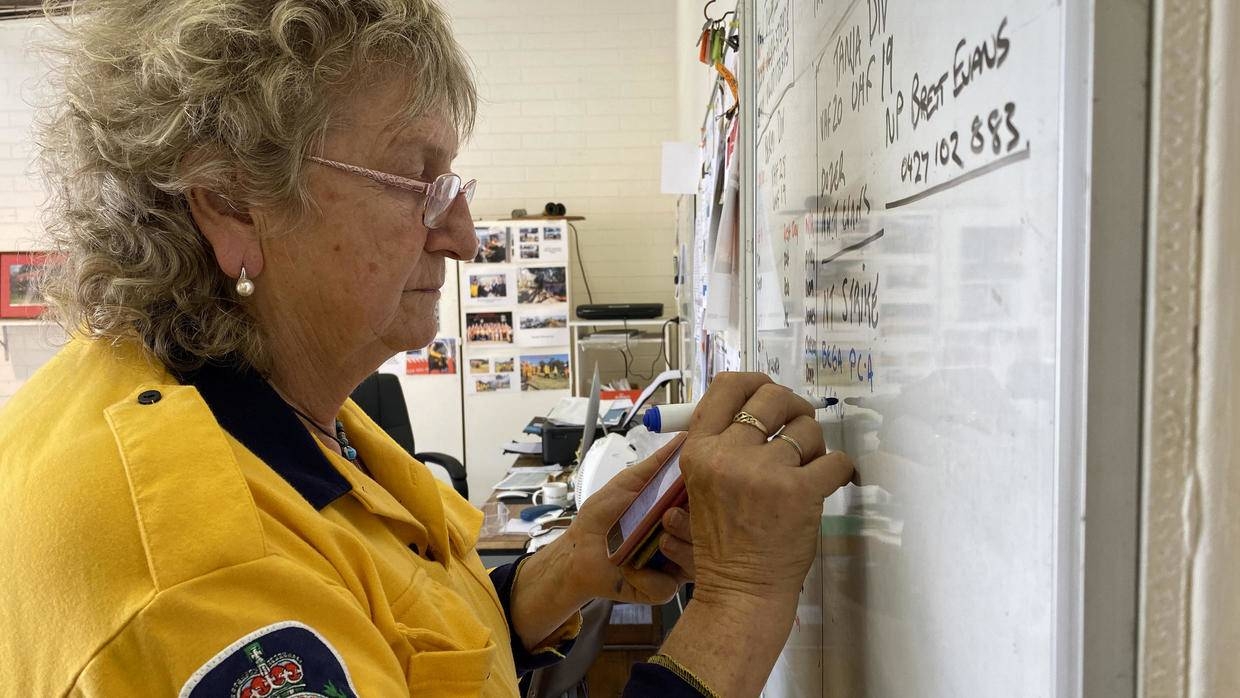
[[158, 96]]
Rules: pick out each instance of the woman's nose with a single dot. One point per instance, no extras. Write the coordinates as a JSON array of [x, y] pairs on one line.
[[454, 236]]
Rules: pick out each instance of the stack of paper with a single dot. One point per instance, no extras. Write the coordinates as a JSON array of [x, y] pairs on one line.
[[526, 447], [572, 410]]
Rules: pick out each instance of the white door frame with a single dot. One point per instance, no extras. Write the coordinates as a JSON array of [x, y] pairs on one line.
[[1191, 490]]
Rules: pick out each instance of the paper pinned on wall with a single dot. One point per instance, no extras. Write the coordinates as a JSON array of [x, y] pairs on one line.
[[488, 285], [491, 383], [439, 358], [542, 327], [680, 168]]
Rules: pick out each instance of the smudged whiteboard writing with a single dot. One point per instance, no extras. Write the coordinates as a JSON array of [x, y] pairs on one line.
[[905, 241]]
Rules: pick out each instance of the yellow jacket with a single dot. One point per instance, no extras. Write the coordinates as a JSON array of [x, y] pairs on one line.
[[147, 549]]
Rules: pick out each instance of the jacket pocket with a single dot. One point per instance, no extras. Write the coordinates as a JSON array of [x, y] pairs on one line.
[[450, 650], [439, 665]]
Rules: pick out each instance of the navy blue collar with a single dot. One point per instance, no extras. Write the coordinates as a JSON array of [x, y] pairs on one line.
[[247, 407]]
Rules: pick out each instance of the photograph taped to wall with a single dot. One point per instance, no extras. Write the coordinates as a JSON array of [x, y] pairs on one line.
[[543, 327], [492, 245], [488, 328], [487, 285], [529, 250], [554, 243], [525, 234], [544, 372], [542, 285], [437, 359], [479, 366], [505, 365], [491, 383]]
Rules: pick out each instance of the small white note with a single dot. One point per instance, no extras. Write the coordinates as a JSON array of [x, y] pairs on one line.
[[680, 168]]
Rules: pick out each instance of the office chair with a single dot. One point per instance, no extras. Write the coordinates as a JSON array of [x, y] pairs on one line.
[[381, 398], [568, 676]]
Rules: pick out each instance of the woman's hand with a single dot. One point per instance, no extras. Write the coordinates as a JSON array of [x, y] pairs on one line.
[[586, 539], [756, 505], [574, 569], [755, 509]]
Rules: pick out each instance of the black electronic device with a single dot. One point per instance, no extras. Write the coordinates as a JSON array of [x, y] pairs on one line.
[[619, 311], [560, 442]]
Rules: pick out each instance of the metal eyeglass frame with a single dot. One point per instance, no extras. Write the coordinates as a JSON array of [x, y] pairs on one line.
[[440, 194]]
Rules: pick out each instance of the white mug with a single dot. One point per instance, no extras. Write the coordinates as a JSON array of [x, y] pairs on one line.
[[552, 493]]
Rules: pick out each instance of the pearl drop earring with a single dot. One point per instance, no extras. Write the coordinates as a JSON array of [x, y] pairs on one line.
[[245, 287]]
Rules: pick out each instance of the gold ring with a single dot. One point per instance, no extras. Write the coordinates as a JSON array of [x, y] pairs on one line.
[[793, 442], [744, 417]]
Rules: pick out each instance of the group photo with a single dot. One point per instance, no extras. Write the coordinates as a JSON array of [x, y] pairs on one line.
[[489, 327]]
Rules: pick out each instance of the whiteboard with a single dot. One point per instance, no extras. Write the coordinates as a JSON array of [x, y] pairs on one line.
[[911, 253]]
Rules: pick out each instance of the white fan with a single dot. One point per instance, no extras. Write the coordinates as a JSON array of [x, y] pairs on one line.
[[609, 456]]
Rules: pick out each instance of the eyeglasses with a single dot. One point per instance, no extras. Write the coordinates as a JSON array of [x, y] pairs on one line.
[[439, 194]]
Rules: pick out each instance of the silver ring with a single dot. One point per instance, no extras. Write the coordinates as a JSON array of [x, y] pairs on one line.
[[744, 417], [793, 442]]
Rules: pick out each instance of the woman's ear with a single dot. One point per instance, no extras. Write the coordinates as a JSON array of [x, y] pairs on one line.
[[229, 229]]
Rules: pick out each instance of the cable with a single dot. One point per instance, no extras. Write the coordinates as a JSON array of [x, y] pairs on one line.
[[581, 262], [662, 344], [628, 352], [625, 358]]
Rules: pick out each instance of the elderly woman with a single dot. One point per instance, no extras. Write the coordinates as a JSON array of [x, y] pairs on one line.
[[254, 202]]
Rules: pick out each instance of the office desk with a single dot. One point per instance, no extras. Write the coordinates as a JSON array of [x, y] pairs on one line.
[[504, 543], [499, 548]]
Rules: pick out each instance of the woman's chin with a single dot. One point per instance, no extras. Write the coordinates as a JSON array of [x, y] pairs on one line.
[[418, 332]]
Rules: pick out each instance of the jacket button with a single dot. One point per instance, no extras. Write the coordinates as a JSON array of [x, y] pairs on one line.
[[149, 397]]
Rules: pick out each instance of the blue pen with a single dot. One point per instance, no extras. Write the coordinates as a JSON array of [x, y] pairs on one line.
[[669, 418]]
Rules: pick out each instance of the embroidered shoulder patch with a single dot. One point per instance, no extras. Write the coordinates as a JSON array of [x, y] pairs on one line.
[[279, 661]]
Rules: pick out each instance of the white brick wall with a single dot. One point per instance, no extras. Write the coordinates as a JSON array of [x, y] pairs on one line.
[[23, 348], [21, 191], [577, 96]]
